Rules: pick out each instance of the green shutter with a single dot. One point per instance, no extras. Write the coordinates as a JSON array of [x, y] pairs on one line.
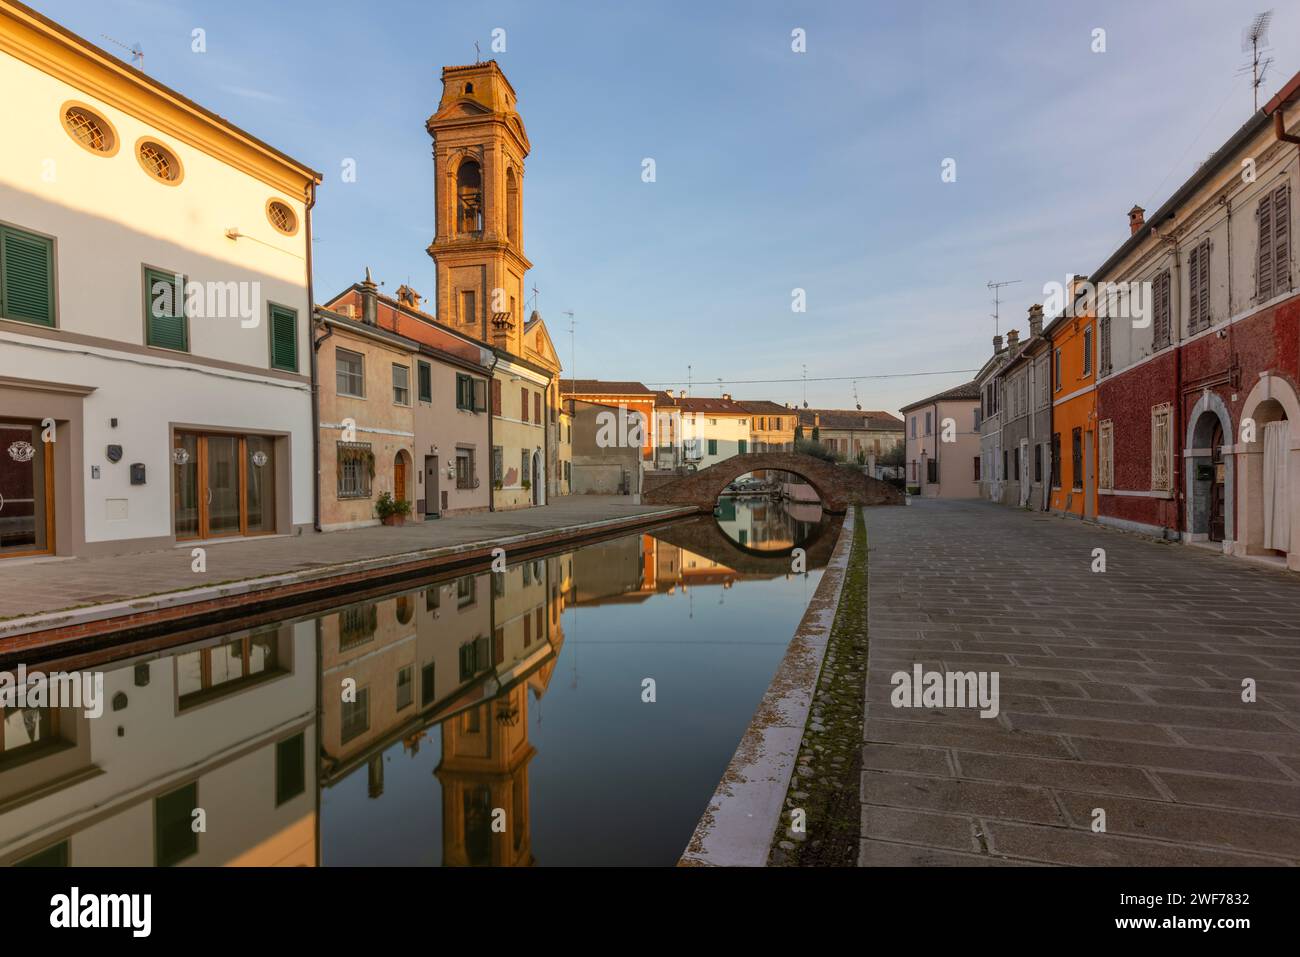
[[26, 277], [426, 382], [284, 339], [165, 326]]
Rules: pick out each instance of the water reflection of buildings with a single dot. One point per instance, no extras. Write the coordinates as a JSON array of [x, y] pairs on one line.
[[460, 656], [226, 726]]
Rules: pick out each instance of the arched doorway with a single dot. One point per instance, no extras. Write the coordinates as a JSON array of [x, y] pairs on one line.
[[1209, 472], [1268, 467], [401, 468]]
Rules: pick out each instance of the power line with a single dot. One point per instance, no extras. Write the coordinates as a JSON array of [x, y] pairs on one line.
[[830, 378]]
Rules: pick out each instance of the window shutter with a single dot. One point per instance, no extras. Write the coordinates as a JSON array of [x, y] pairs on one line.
[[1204, 292], [496, 397], [537, 408], [284, 339], [1282, 239], [1194, 285], [480, 395], [1265, 253], [26, 277], [165, 327], [523, 404]]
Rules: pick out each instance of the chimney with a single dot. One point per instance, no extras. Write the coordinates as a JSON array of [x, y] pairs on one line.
[[726, 396], [1136, 219], [681, 393], [997, 344], [1036, 319], [1013, 337], [369, 299], [408, 296]]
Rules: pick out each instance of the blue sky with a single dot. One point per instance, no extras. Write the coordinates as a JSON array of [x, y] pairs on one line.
[[775, 170]]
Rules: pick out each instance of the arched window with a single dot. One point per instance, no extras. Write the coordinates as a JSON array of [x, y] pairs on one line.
[[512, 206], [469, 197]]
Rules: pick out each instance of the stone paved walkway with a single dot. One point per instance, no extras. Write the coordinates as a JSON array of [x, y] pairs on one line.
[[1120, 691], [33, 587]]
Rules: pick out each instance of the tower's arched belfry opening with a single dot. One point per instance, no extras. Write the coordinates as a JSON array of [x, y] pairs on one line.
[[479, 148]]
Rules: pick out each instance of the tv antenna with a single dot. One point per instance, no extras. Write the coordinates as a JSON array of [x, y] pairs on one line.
[[997, 299], [136, 51], [1254, 40], [478, 57], [805, 386], [856, 401], [573, 352]]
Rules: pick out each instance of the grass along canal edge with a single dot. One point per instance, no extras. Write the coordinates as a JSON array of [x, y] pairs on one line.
[[820, 820]]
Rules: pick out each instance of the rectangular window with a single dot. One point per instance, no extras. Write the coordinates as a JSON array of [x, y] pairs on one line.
[[1162, 447], [1198, 287], [357, 625], [1160, 306], [1056, 370], [26, 277], [1076, 459], [475, 656], [713, 446], [349, 373], [1087, 351], [466, 591], [401, 385], [164, 303], [174, 839], [354, 469], [537, 408], [976, 460], [284, 338], [356, 715], [743, 447], [464, 468], [1015, 463], [424, 381], [929, 423], [464, 392], [498, 464], [1038, 463], [913, 421], [1106, 454], [1056, 460], [405, 686], [524, 459], [496, 397], [427, 692], [1273, 254], [1005, 473], [479, 389], [290, 768], [467, 313], [523, 404], [932, 471]]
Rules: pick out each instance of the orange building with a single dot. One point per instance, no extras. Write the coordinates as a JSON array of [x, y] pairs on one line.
[[1074, 412]]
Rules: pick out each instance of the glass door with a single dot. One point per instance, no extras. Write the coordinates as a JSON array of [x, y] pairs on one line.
[[224, 485], [26, 491]]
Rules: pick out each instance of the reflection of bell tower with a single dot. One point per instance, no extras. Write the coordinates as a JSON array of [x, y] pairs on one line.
[[484, 766], [479, 146]]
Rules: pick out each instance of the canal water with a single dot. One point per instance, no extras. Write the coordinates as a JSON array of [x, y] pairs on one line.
[[578, 708]]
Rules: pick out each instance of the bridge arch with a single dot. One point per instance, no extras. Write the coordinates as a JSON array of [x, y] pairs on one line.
[[838, 486]]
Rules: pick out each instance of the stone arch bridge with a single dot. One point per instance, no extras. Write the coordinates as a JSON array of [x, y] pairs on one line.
[[838, 486]]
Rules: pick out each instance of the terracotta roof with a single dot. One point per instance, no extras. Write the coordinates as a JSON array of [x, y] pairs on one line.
[[600, 387], [764, 407], [713, 406], [967, 390], [852, 419]]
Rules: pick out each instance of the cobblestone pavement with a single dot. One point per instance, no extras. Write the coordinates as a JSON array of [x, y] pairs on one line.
[[1120, 691], [29, 587]]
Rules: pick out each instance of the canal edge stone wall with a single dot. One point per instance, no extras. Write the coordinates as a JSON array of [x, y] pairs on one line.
[[736, 828]]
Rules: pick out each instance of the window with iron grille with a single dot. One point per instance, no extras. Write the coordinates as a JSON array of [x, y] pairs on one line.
[[1056, 460], [464, 468], [1106, 454], [498, 463], [353, 469], [1162, 447]]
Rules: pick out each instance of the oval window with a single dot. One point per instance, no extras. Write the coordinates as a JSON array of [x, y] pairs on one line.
[[158, 161], [282, 217], [89, 129]]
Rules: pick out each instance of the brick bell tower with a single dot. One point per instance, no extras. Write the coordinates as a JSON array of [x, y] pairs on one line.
[[479, 147]]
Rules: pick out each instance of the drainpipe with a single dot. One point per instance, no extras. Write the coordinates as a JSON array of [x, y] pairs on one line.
[[315, 385], [1180, 505], [492, 497]]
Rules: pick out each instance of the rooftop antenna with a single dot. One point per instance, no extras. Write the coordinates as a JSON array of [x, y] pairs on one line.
[[719, 386], [856, 400], [478, 57], [573, 353], [534, 297], [805, 386], [688, 379], [997, 300], [136, 51], [1254, 40]]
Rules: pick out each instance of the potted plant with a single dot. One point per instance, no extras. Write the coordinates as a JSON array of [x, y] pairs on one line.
[[526, 484], [392, 511]]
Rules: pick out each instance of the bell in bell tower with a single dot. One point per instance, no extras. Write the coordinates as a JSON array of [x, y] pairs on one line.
[[479, 147]]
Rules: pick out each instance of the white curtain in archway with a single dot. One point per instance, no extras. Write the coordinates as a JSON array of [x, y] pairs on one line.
[[1277, 517]]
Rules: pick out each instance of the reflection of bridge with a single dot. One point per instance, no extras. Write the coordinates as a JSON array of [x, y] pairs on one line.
[[705, 538], [838, 486]]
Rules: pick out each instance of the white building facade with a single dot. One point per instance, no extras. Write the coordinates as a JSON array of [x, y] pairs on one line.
[[154, 355]]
